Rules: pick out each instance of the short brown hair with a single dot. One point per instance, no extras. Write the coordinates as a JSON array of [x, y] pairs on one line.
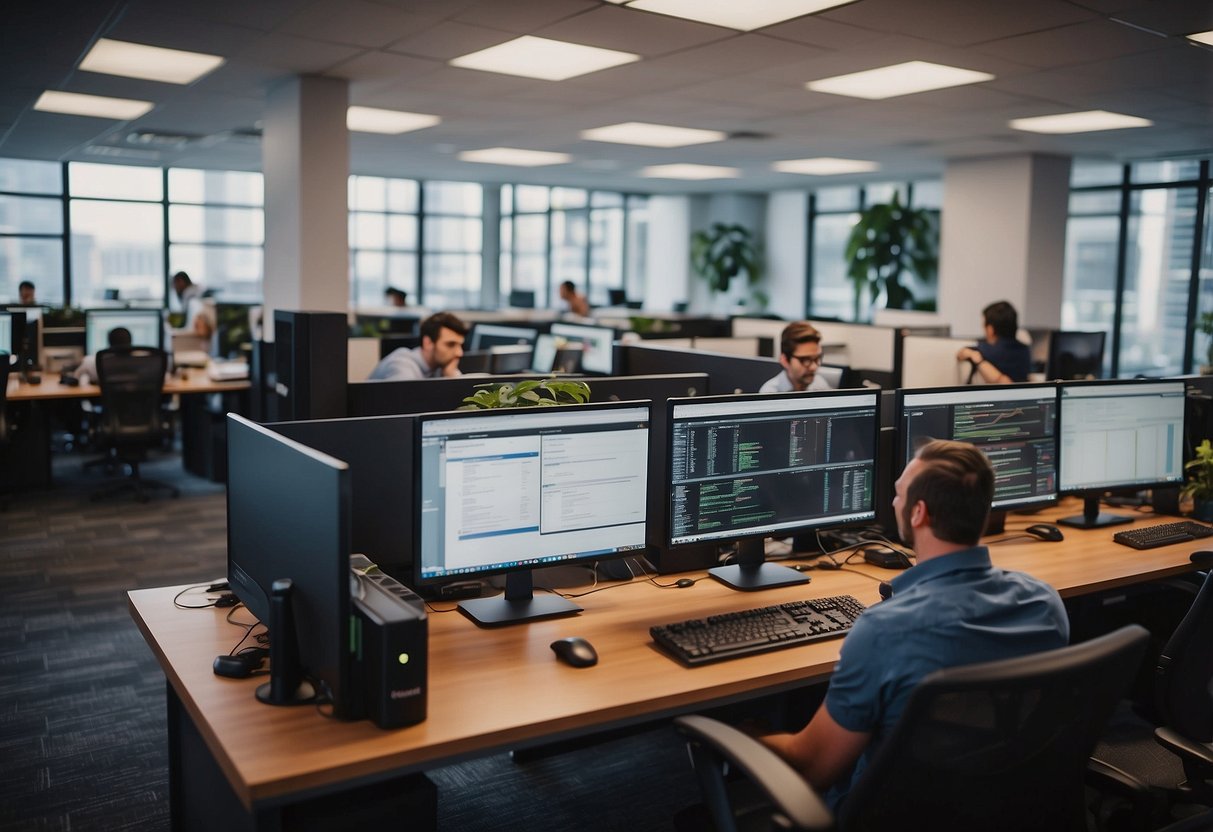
[[795, 334], [956, 482], [432, 326]]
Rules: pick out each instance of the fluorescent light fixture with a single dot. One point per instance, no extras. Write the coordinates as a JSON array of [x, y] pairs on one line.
[[690, 172], [737, 14], [514, 156], [392, 122], [152, 63], [824, 166], [898, 79], [97, 106], [549, 60], [1202, 37], [652, 135], [1087, 121]]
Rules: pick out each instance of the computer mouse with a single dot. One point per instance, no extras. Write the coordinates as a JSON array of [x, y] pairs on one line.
[[69, 380], [241, 665], [1045, 532], [1203, 559], [575, 652], [886, 558], [683, 583]]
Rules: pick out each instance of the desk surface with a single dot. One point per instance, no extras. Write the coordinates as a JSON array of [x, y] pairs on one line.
[[491, 690], [50, 388]]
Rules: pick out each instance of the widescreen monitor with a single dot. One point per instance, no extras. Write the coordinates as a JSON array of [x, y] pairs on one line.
[[145, 325], [743, 468], [511, 491], [288, 517], [486, 336], [597, 355], [1119, 435]]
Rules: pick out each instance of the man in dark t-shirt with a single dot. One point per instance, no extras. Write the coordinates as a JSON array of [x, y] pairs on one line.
[[1000, 358]]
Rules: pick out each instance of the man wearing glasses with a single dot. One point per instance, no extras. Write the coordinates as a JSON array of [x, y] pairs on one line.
[[800, 355]]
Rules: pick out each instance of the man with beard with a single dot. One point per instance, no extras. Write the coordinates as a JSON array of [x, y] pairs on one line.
[[952, 608]]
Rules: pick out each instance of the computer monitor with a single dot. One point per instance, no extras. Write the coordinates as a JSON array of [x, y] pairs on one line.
[[509, 491], [10, 341], [522, 298], [1015, 426], [487, 336], [145, 325], [617, 297], [597, 342], [1119, 435], [1075, 355], [288, 560], [743, 468], [544, 355]]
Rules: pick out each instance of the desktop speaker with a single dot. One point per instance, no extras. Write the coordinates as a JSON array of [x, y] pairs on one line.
[[390, 638], [310, 359]]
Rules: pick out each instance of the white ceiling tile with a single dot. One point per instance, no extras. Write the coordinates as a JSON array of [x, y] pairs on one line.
[[628, 30], [357, 23], [959, 22]]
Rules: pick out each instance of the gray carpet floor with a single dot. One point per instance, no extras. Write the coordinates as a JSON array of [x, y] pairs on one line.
[[82, 711]]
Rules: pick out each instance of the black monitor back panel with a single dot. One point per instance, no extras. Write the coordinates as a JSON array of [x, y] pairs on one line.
[[1075, 355], [425, 395], [379, 451], [728, 373]]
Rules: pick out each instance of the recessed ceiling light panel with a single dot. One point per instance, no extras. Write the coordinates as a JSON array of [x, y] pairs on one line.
[[652, 135], [824, 166], [391, 122], [1087, 121], [514, 156], [97, 106], [745, 15], [151, 63], [690, 172], [543, 58], [1202, 37], [898, 79]]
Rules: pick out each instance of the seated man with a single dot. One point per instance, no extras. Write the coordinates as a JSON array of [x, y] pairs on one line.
[[575, 301], [395, 297], [952, 608], [999, 359], [441, 348], [800, 354], [117, 338]]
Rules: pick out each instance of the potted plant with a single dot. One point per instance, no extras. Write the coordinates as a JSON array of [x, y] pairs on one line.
[[1199, 486], [725, 252], [1204, 325], [547, 392], [888, 241]]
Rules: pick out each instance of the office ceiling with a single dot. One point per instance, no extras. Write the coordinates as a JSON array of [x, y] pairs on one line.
[[1048, 56]]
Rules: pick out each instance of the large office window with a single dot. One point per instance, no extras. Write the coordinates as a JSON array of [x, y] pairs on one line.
[[1136, 263], [216, 228], [31, 228], [452, 225], [832, 214]]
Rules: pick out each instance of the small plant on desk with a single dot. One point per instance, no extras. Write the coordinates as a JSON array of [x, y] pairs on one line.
[[548, 392], [1199, 487]]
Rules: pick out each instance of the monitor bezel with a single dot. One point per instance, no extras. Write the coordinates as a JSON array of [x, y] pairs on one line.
[[91, 314], [1062, 386], [527, 335], [422, 580], [901, 450], [740, 535]]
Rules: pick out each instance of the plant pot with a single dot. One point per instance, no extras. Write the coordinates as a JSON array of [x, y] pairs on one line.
[[1203, 510]]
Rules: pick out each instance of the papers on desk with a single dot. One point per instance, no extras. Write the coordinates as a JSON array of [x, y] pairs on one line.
[[227, 370], [190, 358]]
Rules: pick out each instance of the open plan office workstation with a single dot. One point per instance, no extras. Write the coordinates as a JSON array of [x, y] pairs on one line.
[[232, 752]]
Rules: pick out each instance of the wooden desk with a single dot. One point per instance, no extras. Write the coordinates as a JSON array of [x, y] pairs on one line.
[[51, 389], [491, 690]]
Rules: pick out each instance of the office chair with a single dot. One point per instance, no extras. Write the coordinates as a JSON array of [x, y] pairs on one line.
[[130, 423], [998, 746], [1175, 758], [5, 428]]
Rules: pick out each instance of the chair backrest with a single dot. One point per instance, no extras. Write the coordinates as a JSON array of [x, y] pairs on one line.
[[5, 368], [131, 380], [998, 746], [1185, 671]]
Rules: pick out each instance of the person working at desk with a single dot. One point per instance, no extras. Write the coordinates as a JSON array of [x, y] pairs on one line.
[[800, 354], [199, 310], [441, 348], [26, 293], [999, 359], [952, 608], [395, 297], [118, 338], [576, 302]]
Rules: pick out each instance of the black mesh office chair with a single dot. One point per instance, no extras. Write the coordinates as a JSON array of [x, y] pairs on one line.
[[996, 746], [131, 379], [1175, 758]]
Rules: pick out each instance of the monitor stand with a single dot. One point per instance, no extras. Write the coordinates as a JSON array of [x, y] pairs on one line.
[[1091, 518], [519, 603], [751, 572], [286, 685]]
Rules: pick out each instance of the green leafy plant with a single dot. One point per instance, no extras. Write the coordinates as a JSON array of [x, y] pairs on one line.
[[1204, 325], [1200, 474], [888, 241], [547, 392], [725, 252]]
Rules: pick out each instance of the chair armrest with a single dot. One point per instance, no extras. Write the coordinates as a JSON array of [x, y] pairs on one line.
[[788, 792], [1187, 750]]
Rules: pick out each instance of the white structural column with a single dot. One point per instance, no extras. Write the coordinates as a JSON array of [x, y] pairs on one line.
[[306, 161], [1003, 238]]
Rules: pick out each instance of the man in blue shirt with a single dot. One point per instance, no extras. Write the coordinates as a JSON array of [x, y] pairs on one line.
[[952, 608], [438, 356], [1000, 358]]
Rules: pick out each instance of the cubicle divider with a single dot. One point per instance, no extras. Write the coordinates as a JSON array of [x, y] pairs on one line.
[[728, 373], [868, 350], [928, 361]]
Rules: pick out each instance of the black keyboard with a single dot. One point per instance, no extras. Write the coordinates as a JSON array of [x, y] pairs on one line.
[[1164, 535], [736, 634]]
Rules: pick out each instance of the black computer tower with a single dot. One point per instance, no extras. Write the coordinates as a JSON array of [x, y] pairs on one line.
[[311, 365]]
